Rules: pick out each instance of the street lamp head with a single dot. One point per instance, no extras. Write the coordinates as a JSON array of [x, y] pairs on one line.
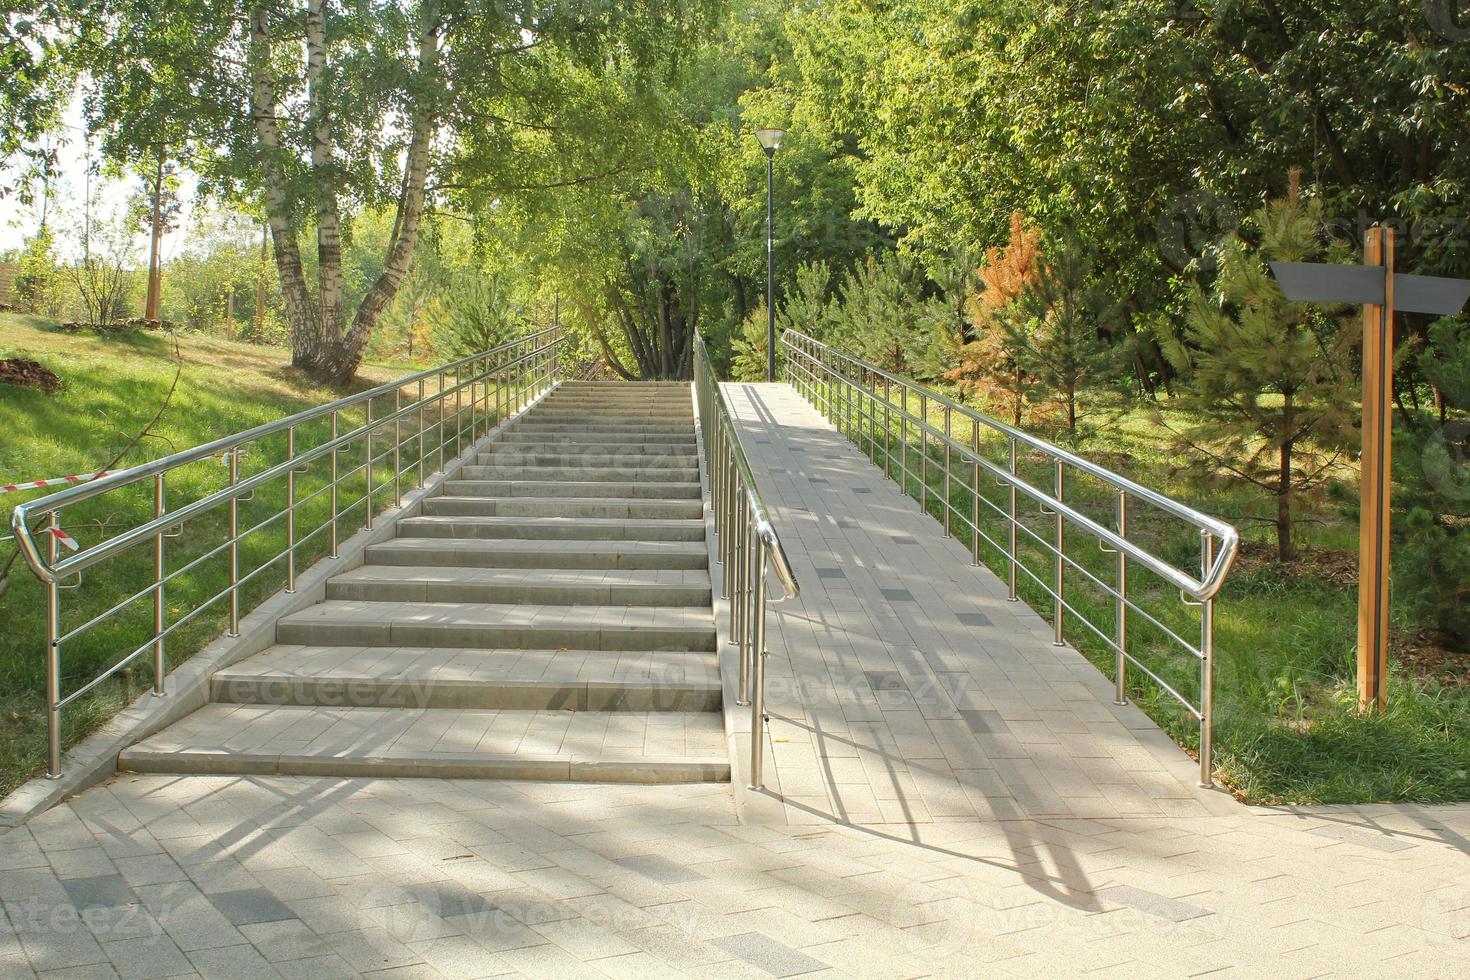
[[770, 139]]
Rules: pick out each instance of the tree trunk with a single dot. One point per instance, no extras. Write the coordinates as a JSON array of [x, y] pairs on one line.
[[1285, 547], [155, 243], [260, 283], [301, 318], [324, 180]]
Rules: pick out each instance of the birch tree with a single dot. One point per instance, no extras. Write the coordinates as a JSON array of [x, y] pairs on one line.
[[321, 109]]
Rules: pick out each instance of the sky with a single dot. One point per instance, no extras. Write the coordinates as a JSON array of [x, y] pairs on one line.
[[18, 221]]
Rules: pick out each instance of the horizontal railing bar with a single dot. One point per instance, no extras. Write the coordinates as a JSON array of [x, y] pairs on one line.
[[49, 504], [112, 546], [1202, 588]]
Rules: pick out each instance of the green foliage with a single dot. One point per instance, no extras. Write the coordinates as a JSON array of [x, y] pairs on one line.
[[474, 314], [1270, 382], [38, 281], [883, 315], [1060, 328], [1431, 560], [749, 345], [1432, 564]]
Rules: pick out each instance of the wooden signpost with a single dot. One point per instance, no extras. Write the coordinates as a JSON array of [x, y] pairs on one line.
[[1376, 483], [1381, 293]]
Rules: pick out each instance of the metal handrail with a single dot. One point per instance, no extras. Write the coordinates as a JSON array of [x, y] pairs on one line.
[[815, 369], [19, 517], [748, 544], [514, 373]]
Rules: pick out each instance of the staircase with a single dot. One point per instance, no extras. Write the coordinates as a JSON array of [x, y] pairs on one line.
[[548, 617]]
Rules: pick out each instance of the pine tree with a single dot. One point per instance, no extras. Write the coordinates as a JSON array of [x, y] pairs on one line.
[[882, 314], [807, 309], [1058, 328], [988, 368], [1431, 562], [1271, 381]]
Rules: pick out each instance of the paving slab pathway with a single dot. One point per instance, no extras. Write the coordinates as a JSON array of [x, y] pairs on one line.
[[269, 876], [903, 687]]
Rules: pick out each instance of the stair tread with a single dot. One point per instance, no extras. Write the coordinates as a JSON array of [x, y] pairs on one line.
[[259, 732], [467, 665], [524, 615], [510, 544], [652, 577]]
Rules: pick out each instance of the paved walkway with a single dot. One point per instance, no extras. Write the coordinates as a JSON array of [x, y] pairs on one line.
[[957, 850], [233, 877], [903, 687]]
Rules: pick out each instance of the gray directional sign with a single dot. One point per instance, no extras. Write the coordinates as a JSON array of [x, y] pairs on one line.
[[1317, 282]]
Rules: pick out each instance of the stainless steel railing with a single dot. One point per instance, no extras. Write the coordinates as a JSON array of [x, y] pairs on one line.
[[391, 436], [912, 430], [747, 545]]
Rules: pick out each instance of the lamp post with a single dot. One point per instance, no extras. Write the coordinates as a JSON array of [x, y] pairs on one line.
[[1381, 291], [770, 140]]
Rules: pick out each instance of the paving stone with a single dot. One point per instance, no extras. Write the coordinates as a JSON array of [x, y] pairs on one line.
[[251, 905], [660, 869], [1154, 904], [101, 892], [765, 953]]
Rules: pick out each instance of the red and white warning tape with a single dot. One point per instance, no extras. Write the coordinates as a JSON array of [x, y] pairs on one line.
[[64, 539], [59, 481]]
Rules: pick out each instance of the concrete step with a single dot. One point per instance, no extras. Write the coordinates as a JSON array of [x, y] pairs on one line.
[[626, 509], [545, 587], [620, 386], [572, 489], [342, 622], [585, 426], [681, 411], [469, 553], [518, 471], [524, 455], [602, 442], [592, 746], [457, 677], [469, 517]]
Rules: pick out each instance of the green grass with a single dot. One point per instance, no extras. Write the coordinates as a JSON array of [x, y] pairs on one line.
[[1286, 724], [114, 385]]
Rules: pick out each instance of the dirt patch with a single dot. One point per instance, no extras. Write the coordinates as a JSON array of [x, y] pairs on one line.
[[28, 374], [1338, 566], [1432, 656]]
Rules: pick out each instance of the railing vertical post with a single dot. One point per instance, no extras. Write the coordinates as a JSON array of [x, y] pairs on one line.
[[742, 596], [903, 440], [758, 665], [291, 509], [923, 452], [1120, 614], [234, 544], [1011, 593], [160, 665], [1059, 608], [423, 435], [1207, 669], [439, 407], [334, 477], [887, 428], [975, 497], [948, 468], [458, 413], [53, 659], [367, 467], [397, 447]]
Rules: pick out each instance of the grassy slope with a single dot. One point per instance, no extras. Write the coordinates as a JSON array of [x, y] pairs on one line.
[[114, 385]]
